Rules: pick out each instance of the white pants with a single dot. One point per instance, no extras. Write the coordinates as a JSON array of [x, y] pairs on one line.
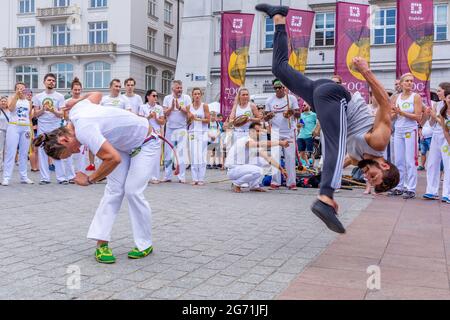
[[289, 159], [43, 165], [17, 136], [2, 147], [435, 155], [445, 150], [198, 147], [155, 166], [69, 171], [239, 133], [405, 149], [129, 179], [178, 137], [79, 159], [246, 174]]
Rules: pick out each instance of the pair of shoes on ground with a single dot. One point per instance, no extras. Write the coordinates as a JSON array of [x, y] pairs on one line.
[[429, 196], [5, 182], [404, 194], [277, 187], [104, 254]]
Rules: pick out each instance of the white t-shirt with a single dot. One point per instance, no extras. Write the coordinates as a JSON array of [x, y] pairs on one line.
[[427, 130], [177, 118], [279, 106], [240, 154], [134, 102], [146, 109], [96, 124], [48, 122], [116, 102], [21, 114], [3, 120]]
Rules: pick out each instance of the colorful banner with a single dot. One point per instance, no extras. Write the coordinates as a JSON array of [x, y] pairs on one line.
[[236, 34], [298, 26], [415, 35], [352, 40]]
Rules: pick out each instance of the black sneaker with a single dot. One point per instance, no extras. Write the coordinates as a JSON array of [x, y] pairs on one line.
[[395, 192], [208, 167], [327, 214], [44, 183], [409, 195], [272, 10], [64, 183]]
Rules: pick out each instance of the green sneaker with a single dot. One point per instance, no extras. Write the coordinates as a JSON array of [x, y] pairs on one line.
[[136, 254], [104, 254]]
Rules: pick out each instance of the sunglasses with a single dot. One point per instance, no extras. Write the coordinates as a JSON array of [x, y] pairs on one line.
[[278, 88], [155, 95]]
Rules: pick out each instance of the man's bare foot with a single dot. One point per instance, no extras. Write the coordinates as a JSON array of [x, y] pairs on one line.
[[236, 188], [258, 190]]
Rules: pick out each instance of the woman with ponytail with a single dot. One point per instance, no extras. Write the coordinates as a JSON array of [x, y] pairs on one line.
[[443, 120]]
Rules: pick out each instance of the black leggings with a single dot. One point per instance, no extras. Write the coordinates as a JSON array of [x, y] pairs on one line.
[[328, 99]]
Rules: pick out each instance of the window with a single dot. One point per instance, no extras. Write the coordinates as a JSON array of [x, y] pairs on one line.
[[167, 45], [150, 77], [168, 12], [384, 26], [167, 78], [61, 3], [64, 74], [26, 6], [269, 30], [60, 35], [98, 32], [151, 40], [98, 75], [27, 74], [324, 29], [440, 22], [26, 37], [152, 8], [99, 3]]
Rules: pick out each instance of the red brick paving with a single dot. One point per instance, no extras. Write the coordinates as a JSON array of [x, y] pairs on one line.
[[408, 240]]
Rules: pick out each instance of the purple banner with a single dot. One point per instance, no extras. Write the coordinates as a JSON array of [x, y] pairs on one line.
[[415, 36], [352, 40], [236, 34], [298, 26]]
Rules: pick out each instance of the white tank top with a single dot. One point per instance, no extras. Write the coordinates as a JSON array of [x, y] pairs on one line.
[[407, 105], [21, 116], [197, 126], [437, 128], [247, 111]]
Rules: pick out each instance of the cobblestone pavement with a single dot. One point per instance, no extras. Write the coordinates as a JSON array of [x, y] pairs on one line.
[[209, 243]]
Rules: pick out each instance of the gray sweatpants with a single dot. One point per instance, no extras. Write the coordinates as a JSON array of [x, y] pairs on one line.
[[328, 99]]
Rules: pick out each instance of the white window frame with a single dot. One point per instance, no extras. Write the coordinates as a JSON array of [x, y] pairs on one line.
[[168, 12], [325, 29], [26, 37], [26, 6], [167, 78], [151, 39], [61, 3], [267, 33], [57, 31], [102, 69], [384, 27], [29, 78], [150, 77], [98, 4], [167, 45], [64, 73], [152, 7], [100, 30], [440, 23]]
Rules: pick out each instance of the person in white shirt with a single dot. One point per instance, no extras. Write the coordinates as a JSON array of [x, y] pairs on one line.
[[282, 107], [115, 99], [199, 116], [123, 141], [244, 107], [247, 160], [175, 111], [4, 119], [408, 112], [155, 115], [48, 110], [134, 100], [18, 135]]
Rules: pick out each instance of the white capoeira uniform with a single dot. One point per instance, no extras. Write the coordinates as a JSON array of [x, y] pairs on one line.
[[435, 155], [406, 145], [245, 168], [244, 130], [144, 111], [134, 103], [125, 131], [18, 135], [48, 122], [4, 119], [176, 133], [120, 102], [282, 131], [445, 152], [198, 144]]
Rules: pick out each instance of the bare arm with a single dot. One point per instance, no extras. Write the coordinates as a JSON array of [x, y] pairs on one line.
[[233, 113], [207, 118], [94, 97], [417, 115], [256, 114]]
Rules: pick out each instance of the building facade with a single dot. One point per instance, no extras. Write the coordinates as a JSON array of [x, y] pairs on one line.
[[201, 38], [94, 40]]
